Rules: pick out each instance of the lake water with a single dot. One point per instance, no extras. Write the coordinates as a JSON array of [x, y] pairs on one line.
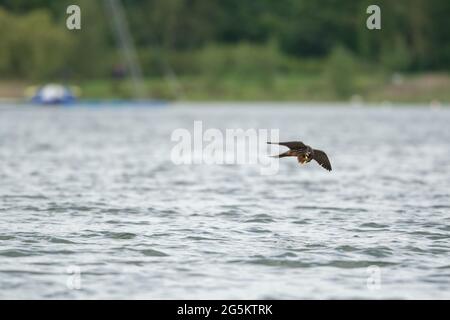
[[91, 205]]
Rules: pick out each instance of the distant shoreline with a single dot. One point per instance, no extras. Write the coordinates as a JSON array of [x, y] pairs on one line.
[[419, 88]]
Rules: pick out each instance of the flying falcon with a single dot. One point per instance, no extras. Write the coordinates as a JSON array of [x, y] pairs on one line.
[[304, 153]]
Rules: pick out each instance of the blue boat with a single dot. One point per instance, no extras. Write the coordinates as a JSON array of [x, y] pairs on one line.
[[51, 94]]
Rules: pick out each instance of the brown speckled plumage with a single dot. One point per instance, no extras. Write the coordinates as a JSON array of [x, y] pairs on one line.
[[304, 153]]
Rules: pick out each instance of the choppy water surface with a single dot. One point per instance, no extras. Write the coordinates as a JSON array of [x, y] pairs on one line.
[[94, 190]]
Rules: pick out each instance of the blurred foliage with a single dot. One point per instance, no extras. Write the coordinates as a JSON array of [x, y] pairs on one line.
[[245, 38], [30, 51], [341, 69]]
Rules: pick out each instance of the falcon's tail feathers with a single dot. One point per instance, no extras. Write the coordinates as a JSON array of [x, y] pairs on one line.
[[282, 155]]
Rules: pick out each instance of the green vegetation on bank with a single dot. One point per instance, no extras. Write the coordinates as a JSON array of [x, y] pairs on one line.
[[234, 49], [414, 88]]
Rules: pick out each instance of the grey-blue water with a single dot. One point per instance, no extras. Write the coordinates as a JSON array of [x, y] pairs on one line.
[[91, 205]]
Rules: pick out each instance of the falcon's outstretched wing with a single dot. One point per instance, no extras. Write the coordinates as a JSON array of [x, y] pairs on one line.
[[322, 159], [293, 145]]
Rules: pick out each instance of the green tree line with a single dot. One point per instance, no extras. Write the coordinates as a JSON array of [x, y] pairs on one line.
[[214, 37]]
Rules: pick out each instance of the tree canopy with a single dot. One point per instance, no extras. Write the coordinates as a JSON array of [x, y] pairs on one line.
[[415, 34]]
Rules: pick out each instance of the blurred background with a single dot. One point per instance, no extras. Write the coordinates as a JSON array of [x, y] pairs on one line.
[[96, 190], [295, 50]]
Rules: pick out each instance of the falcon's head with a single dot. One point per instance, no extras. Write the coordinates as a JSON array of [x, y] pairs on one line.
[[305, 158], [308, 155]]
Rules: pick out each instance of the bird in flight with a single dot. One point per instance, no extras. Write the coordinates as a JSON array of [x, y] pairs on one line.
[[304, 153]]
